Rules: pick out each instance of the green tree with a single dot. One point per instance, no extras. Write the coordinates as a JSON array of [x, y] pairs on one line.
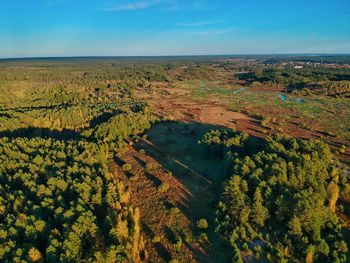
[[259, 212]]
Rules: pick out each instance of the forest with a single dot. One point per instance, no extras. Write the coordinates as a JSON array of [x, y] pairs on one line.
[[279, 203], [333, 82], [174, 160], [60, 202]]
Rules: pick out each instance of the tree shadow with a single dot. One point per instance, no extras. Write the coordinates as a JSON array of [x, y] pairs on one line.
[[34, 132], [118, 161], [31, 108], [141, 162], [170, 235], [104, 117], [147, 230], [174, 145], [156, 182], [163, 252]]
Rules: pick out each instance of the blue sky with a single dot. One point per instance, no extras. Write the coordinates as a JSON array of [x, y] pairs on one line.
[[172, 27]]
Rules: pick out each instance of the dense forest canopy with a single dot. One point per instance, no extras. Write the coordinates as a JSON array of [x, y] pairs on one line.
[[310, 80], [280, 202], [59, 201]]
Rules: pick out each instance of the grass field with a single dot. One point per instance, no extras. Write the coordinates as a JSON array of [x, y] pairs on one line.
[[328, 116]]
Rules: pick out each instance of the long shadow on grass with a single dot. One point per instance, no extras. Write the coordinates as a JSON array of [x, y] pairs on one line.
[[33, 132], [175, 146]]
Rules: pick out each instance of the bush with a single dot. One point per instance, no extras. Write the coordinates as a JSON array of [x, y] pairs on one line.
[[342, 149], [174, 211], [134, 177], [163, 188], [178, 242], [126, 167], [202, 223], [34, 255], [188, 239], [149, 167], [156, 239], [265, 121]]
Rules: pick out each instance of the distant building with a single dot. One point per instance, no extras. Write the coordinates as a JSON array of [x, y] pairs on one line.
[[298, 66]]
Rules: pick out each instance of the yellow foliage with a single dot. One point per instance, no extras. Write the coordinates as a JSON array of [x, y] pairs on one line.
[[310, 254], [122, 228], [34, 254], [333, 195]]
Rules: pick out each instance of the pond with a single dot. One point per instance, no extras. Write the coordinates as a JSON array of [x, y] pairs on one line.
[[283, 97], [238, 91]]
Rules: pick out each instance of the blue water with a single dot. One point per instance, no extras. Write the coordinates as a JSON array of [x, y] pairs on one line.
[[239, 91], [283, 97]]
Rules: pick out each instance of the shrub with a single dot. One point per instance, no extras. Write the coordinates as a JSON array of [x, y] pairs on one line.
[[34, 254], [156, 239], [342, 149], [174, 211], [202, 223], [134, 177], [149, 167], [163, 188], [265, 121], [126, 167], [178, 242], [188, 238]]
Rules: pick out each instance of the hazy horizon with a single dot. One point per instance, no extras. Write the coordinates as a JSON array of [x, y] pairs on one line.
[[175, 56]]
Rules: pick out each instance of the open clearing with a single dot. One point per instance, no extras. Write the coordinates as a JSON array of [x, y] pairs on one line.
[[244, 112], [194, 182]]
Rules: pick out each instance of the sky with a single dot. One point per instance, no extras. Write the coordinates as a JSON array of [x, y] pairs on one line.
[[50, 28]]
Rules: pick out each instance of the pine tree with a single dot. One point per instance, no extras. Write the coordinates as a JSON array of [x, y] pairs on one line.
[[259, 212], [236, 258], [333, 195], [295, 226], [34, 254]]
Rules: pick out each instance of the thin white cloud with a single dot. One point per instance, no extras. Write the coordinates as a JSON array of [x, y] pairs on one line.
[[132, 6], [212, 32], [197, 24]]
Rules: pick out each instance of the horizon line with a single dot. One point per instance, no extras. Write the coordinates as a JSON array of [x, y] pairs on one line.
[[174, 56]]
